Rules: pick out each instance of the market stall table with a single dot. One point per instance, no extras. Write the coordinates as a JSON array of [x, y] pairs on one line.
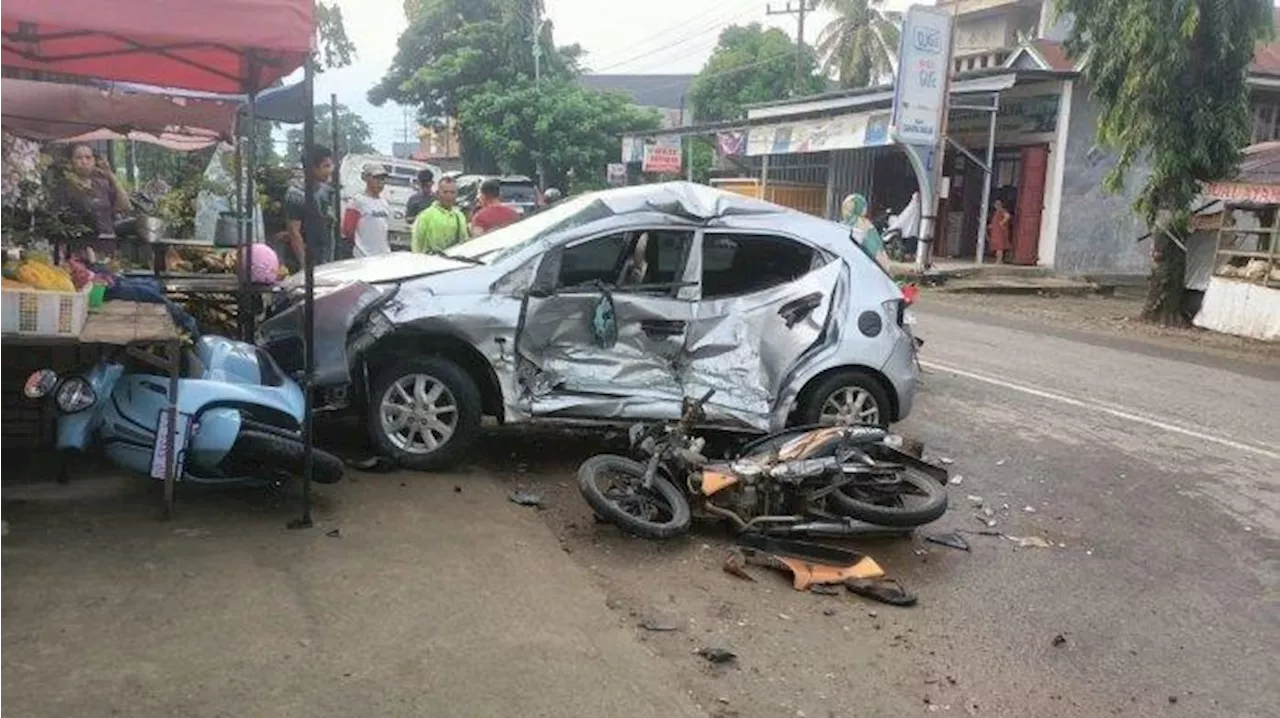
[[138, 328]]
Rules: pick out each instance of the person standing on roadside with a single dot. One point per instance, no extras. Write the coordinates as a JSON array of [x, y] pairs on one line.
[[364, 224], [421, 199], [320, 244], [441, 225], [493, 212]]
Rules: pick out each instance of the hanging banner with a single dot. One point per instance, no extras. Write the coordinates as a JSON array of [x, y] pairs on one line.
[[845, 132], [632, 149], [731, 144], [662, 155], [616, 174], [919, 91]]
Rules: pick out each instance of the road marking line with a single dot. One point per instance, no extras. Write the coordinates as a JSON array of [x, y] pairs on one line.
[[1096, 406]]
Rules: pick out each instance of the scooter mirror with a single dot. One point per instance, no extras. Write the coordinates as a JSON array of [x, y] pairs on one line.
[[40, 384]]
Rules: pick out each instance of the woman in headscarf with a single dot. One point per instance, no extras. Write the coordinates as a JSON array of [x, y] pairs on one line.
[[853, 213], [90, 193]]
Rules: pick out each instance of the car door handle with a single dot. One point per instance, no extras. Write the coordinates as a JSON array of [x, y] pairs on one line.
[[796, 310], [656, 328]]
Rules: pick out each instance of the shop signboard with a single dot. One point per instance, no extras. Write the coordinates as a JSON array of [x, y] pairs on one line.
[[1037, 114], [919, 92], [662, 156], [846, 132]]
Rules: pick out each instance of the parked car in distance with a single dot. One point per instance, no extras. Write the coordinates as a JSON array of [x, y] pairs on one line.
[[516, 190], [605, 309], [400, 186]]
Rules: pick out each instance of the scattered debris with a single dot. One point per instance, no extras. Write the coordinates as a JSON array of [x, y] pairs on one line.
[[191, 533], [524, 497], [1029, 541], [1173, 699], [735, 564], [336, 533], [1029, 509], [784, 616], [884, 590], [950, 540], [956, 480], [717, 655], [825, 589], [1059, 641], [948, 461], [1001, 462], [975, 500], [659, 625], [808, 563], [457, 489], [828, 611], [989, 523]]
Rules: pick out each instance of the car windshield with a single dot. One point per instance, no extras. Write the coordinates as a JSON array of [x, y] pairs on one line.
[[501, 243]]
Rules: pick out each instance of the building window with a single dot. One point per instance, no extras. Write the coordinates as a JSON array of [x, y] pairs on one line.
[[1266, 121]]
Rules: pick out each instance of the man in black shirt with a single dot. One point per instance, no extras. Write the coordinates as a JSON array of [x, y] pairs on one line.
[[421, 199]]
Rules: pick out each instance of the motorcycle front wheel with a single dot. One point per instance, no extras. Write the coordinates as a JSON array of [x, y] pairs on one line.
[[614, 487], [258, 453]]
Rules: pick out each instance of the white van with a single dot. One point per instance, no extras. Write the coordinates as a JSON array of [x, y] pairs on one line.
[[400, 186]]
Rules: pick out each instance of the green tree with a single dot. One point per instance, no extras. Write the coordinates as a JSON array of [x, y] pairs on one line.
[[749, 64], [860, 44], [572, 130], [1170, 76], [354, 134]]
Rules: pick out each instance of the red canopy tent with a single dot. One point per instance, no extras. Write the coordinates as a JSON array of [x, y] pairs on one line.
[[229, 46], [224, 46]]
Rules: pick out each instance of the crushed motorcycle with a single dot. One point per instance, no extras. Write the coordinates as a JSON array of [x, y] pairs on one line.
[[809, 480]]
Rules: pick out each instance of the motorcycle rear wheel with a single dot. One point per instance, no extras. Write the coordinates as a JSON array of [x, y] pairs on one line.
[[659, 512], [259, 453], [891, 510]]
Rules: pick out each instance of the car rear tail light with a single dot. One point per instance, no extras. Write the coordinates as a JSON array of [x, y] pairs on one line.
[[910, 293]]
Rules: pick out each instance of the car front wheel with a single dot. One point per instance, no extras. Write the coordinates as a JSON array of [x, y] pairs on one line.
[[847, 398], [424, 412]]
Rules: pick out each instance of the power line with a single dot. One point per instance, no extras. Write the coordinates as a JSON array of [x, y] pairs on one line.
[[667, 31], [804, 8], [715, 25]]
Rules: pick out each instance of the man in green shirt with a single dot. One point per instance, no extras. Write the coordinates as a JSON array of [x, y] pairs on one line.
[[441, 225]]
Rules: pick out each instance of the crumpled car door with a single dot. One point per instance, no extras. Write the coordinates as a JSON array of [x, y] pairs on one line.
[[602, 354], [746, 346]]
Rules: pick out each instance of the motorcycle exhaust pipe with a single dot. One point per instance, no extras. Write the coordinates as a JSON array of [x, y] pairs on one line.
[[840, 528]]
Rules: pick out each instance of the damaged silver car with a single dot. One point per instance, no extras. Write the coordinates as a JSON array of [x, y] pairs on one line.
[[608, 308]]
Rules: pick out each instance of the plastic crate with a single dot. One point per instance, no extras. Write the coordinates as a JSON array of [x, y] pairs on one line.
[[36, 312]]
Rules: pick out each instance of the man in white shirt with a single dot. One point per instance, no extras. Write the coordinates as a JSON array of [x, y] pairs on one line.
[[365, 221]]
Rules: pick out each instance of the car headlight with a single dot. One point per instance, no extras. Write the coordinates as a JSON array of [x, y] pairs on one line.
[[75, 395]]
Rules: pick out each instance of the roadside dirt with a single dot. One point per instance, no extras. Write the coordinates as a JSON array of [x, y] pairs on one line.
[[1111, 316]]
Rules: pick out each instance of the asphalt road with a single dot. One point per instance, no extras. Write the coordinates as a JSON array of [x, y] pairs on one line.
[[1153, 475]]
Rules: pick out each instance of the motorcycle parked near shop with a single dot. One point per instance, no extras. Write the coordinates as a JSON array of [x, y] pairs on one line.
[[238, 417], [820, 480]]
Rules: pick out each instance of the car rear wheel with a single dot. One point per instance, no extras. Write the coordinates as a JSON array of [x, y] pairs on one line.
[[424, 412], [851, 397]]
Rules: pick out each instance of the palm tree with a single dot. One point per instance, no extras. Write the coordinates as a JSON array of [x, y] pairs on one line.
[[860, 45]]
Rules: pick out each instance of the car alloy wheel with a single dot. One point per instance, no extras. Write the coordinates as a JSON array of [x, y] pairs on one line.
[[850, 405], [419, 414]]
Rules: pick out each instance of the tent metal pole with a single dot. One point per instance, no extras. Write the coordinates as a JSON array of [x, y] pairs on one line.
[[338, 156], [315, 220], [989, 179]]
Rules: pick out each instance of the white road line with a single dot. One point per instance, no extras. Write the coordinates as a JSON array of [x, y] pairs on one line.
[[1099, 407]]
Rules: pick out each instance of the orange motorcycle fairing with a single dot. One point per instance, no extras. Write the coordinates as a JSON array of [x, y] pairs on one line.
[[716, 479]]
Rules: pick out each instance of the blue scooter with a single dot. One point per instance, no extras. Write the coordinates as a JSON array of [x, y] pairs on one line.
[[238, 420]]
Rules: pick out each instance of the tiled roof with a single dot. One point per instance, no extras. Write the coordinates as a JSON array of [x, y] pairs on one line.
[[1053, 54]]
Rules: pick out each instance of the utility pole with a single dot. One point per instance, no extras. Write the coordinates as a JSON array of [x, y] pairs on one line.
[[535, 37], [802, 8]]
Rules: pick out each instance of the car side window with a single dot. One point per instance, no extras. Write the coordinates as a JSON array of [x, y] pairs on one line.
[[596, 260], [648, 258], [737, 264]]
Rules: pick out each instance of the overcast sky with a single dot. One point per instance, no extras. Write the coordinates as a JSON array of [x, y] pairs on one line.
[[630, 36]]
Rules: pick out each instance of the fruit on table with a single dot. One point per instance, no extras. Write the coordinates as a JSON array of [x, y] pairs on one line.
[[44, 276]]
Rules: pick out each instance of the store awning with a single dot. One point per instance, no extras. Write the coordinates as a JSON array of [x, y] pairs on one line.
[[231, 46], [53, 111]]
